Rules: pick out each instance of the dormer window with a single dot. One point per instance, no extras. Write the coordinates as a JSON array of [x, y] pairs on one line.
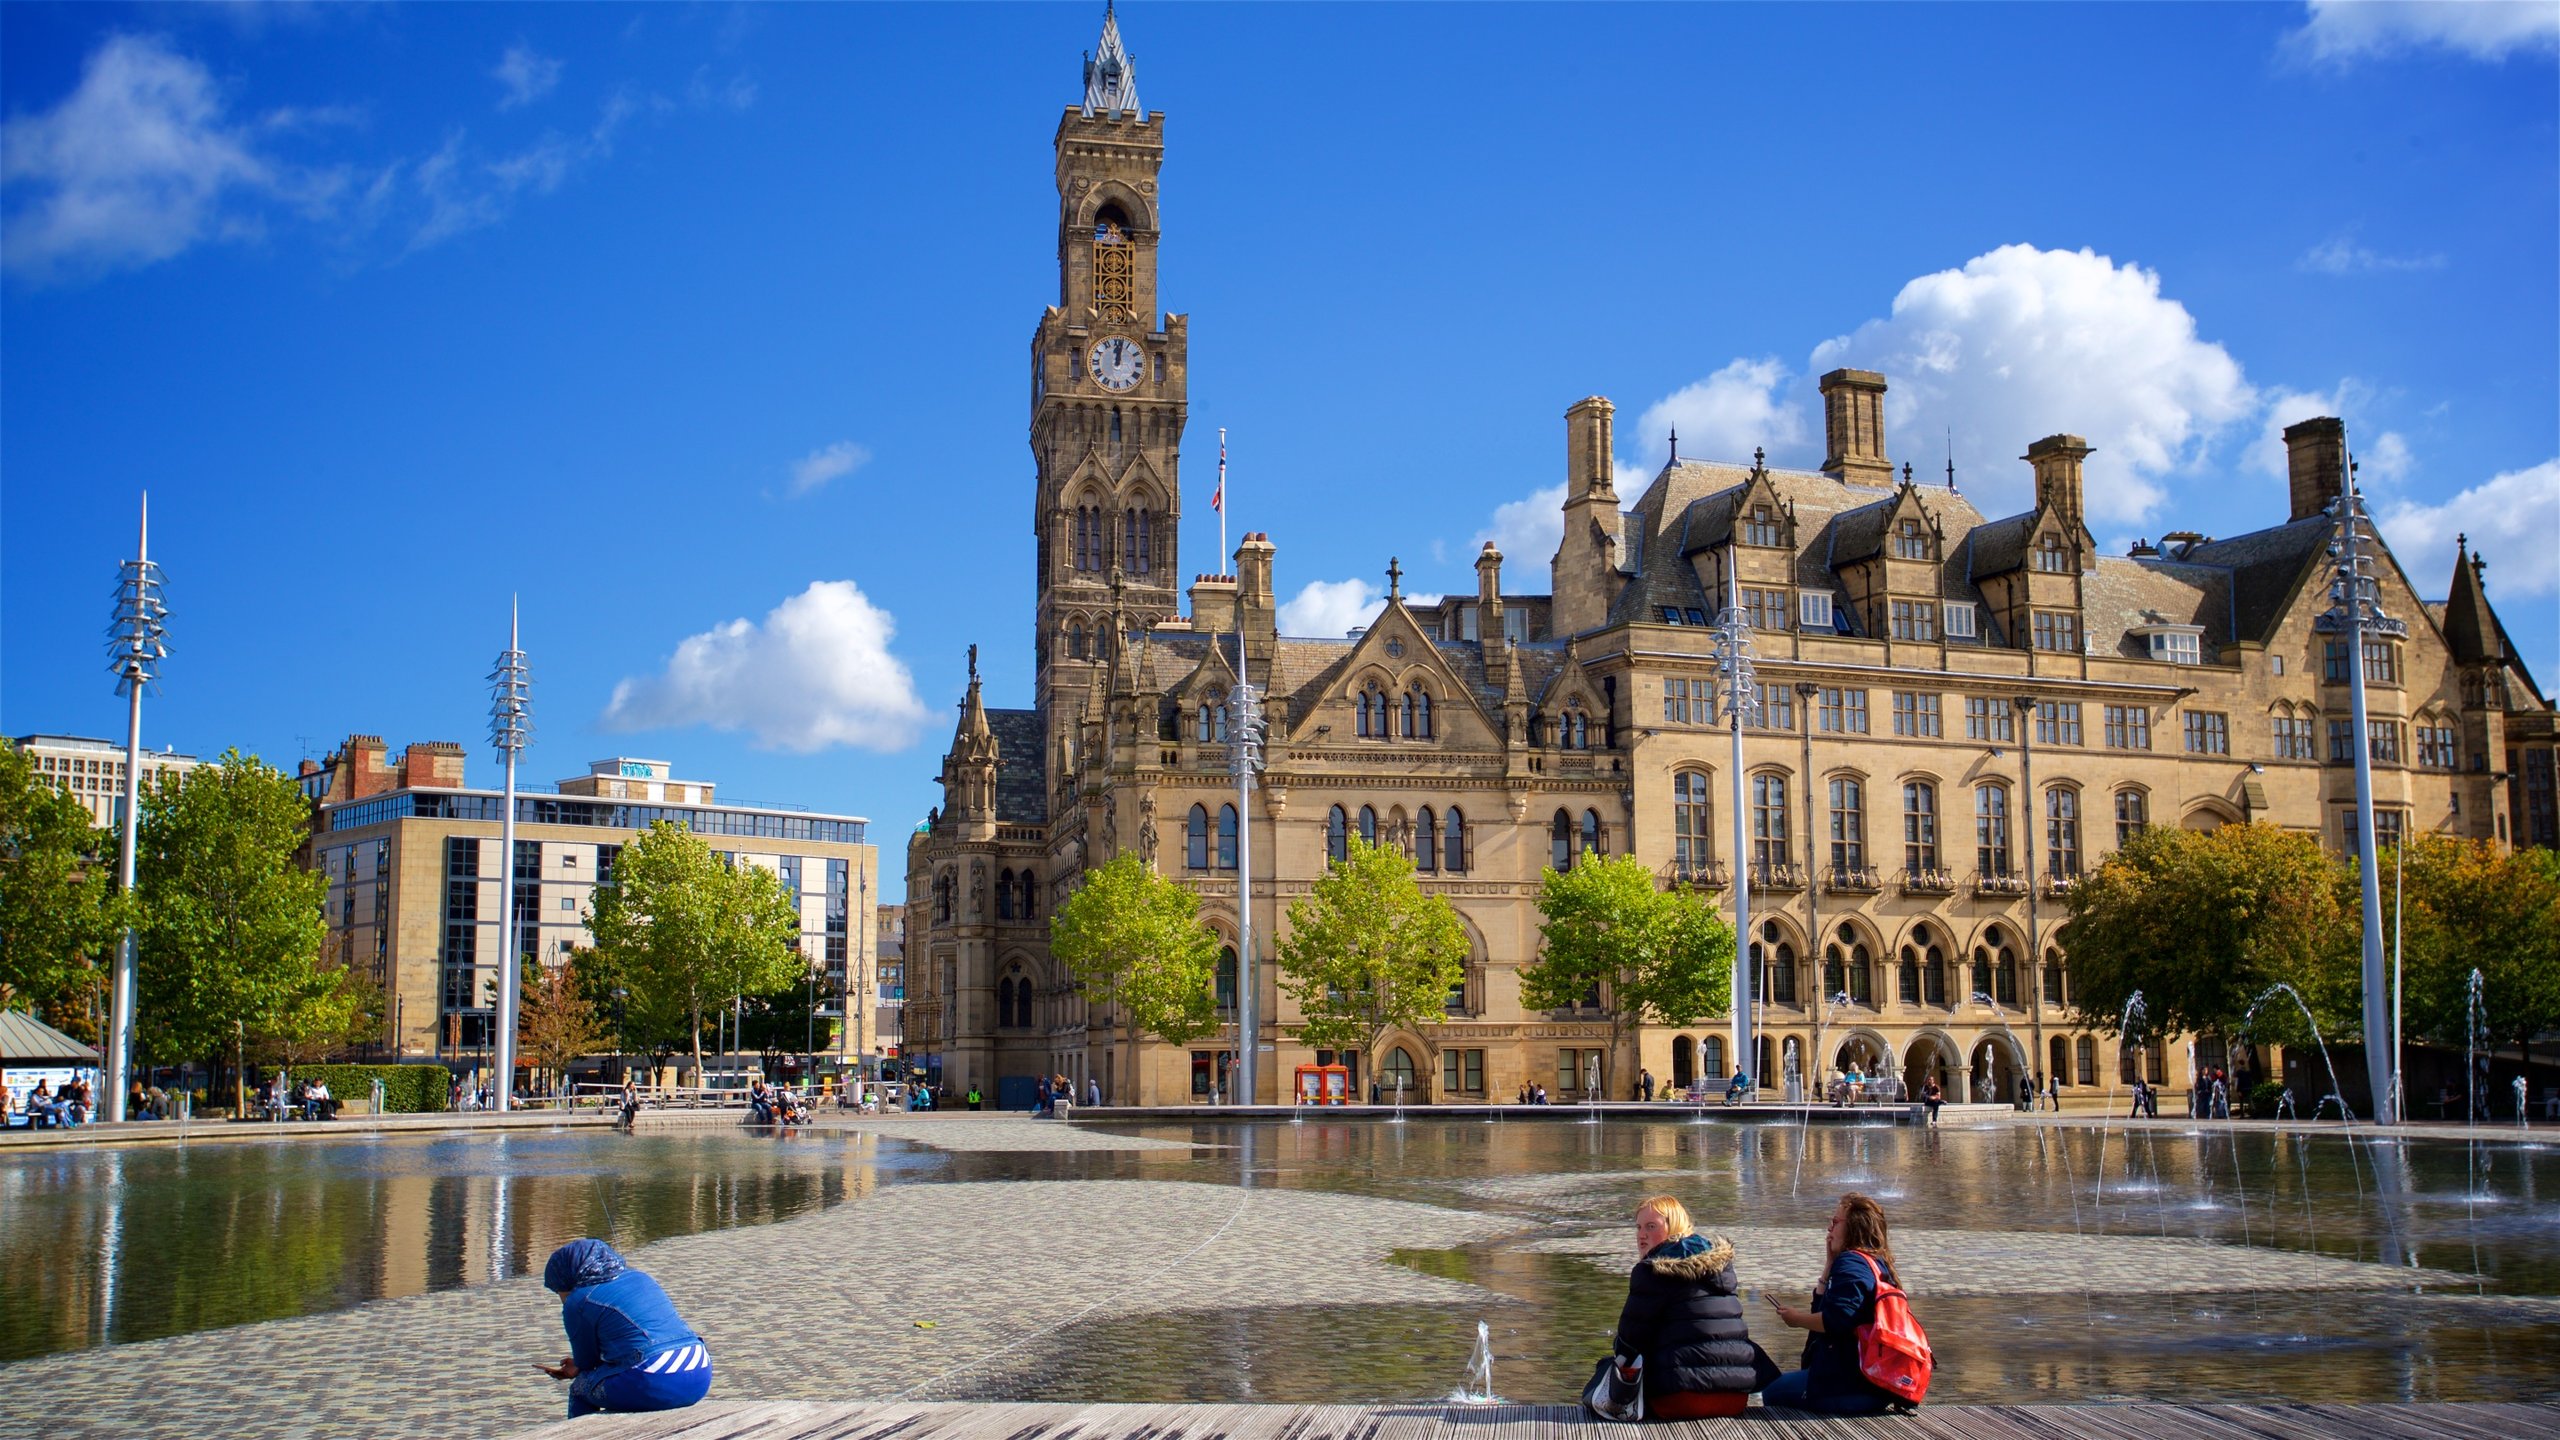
[[2052, 556], [1760, 527], [1910, 541], [2172, 644]]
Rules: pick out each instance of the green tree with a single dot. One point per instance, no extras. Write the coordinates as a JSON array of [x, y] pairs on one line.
[[1134, 940], [2202, 923], [556, 1024], [1654, 956], [2466, 906], [1368, 952], [684, 932], [58, 916], [230, 925]]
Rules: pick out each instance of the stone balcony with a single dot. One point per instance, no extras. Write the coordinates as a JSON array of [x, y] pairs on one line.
[[1927, 882], [1852, 880]]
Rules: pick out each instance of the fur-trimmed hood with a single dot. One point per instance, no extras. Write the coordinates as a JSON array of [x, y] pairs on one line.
[[1691, 1257]]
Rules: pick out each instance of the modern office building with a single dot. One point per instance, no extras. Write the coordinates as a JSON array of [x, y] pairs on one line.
[[415, 874], [1957, 715], [92, 771]]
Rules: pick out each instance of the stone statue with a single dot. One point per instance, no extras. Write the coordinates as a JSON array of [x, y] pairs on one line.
[[1110, 827], [1147, 830], [977, 889]]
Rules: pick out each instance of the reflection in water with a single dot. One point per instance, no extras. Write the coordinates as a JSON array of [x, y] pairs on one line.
[[113, 1246]]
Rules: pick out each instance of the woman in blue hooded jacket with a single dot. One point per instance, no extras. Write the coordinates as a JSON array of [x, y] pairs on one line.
[[627, 1348]]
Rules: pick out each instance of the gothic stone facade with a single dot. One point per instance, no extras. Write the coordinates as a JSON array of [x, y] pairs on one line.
[[1959, 715]]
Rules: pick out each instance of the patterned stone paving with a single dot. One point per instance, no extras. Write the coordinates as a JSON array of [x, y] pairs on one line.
[[996, 1132]]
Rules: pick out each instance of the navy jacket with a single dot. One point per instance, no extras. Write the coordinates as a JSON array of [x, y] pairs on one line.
[[1846, 1300], [1684, 1316], [618, 1325]]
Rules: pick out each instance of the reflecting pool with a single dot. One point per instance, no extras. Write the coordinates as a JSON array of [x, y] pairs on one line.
[[2211, 1262]]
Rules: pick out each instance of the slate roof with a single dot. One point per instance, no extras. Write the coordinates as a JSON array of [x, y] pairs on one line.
[[1999, 546], [24, 1039], [1022, 767], [2265, 566]]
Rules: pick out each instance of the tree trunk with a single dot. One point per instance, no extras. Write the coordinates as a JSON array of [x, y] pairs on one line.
[[696, 1007]]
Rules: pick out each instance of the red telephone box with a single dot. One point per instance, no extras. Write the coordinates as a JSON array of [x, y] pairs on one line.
[[1324, 1084]]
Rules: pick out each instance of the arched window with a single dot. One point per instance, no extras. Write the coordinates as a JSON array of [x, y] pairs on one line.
[[1711, 1057], [2062, 832], [1919, 827], [1991, 829], [2133, 816], [942, 897], [1226, 837], [2004, 968], [2084, 1051], [1004, 895], [1115, 424], [1407, 716], [2053, 977], [1595, 841], [1395, 1073], [1577, 730], [1368, 826], [1689, 824], [1132, 558], [1862, 972], [1421, 699], [1004, 1003], [1933, 970], [1453, 841], [1774, 955], [1373, 712], [1768, 821], [1337, 828], [1426, 842], [1227, 977], [1907, 990], [1848, 826], [1030, 896], [1195, 846], [1075, 639], [1560, 843]]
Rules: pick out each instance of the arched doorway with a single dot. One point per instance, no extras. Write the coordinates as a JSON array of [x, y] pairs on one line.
[[1932, 1056], [1684, 1062], [1992, 1075], [1865, 1053], [1396, 1074]]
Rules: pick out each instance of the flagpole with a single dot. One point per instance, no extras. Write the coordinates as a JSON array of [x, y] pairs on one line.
[[1218, 501]]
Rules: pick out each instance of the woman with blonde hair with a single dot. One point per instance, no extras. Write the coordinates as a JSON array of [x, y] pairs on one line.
[[1683, 1319], [1857, 1252]]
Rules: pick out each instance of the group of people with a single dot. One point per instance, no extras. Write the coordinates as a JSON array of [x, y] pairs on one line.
[[1057, 1096], [1683, 1335], [50, 1109], [1533, 1095], [310, 1099], [769, 1105]]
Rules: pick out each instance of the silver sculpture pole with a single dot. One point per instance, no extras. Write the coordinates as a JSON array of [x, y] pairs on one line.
[[1733, 671], [1244, 756], [509, 726], [137, 643], [2355, 611]]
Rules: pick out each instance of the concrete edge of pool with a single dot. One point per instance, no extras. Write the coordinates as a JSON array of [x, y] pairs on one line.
[[821, 1420]]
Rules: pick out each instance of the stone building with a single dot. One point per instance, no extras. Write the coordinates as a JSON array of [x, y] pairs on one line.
[[1958, 715], [92, 771]]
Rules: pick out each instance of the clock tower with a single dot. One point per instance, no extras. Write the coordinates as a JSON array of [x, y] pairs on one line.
[[1107, 390]]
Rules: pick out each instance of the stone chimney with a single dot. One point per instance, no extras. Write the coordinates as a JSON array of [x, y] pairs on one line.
[[2315, 461], [1213, 604], [1257, 612], [1586, 564], [432, 765], [1853, 427], [368, 771], [1489, 598], [2057, 460]]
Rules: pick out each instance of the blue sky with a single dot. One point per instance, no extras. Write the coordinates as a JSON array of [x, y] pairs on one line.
[[702, 328]]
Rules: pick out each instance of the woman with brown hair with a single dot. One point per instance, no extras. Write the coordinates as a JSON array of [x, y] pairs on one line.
[[1856, 1253], [1683, 1319]]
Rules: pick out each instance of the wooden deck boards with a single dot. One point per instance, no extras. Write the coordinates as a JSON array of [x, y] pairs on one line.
[[813, 1420]]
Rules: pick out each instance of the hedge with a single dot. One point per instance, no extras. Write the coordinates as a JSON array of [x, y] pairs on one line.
[[406, 1089], [2265, 1097]]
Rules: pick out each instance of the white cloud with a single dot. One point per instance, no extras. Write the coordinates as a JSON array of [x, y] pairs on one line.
[[136, 165], [827, 463], [462, 193], [2022, 343], [816, 673], [1329, 608], [2342, 255], [2385, 457], [1527, 532], [2513, 521], [524, 75], [2339, 31], [1726, 416]]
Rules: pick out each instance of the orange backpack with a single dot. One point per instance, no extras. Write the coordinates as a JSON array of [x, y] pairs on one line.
[[1893, 1352]]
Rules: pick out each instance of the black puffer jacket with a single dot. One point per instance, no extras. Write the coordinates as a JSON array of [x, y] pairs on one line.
[[1684, 1316]]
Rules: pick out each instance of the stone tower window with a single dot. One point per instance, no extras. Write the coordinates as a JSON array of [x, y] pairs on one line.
[[1762, 527], [2052, 556], [1909, 541], [1115, 268]]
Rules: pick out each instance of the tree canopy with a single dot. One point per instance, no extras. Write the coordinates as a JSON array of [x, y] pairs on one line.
[[2468, 906], [1369, 952], [230, 925], [58, 916], [680, 932], [2203, 923], [557, 1023], [1656, 957], [1134, 940]]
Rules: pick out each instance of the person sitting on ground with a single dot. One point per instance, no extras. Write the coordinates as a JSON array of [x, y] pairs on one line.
[[1932, 1095], [1683, 1318], [628, 1350], [1830, 1380]]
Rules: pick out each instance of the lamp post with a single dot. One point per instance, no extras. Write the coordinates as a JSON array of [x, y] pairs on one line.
[[2355, 611], [137, 643], [1741, 694], [510, 686], [1244, 757], [2025, 705]]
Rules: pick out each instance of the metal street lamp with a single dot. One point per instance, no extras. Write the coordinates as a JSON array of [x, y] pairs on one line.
[[1244, 757], [136, 644], [2355, 611], [510, 725], [1741, 699]]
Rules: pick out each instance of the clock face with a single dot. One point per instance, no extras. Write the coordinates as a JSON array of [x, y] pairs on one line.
[[1119, 363]]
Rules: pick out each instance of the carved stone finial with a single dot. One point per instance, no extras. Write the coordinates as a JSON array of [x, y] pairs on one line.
[[1395, 579], [973, 662]]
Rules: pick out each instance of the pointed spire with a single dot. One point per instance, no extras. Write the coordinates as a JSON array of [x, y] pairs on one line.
[[973, 711], [1110, 76], [2471, 629]]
